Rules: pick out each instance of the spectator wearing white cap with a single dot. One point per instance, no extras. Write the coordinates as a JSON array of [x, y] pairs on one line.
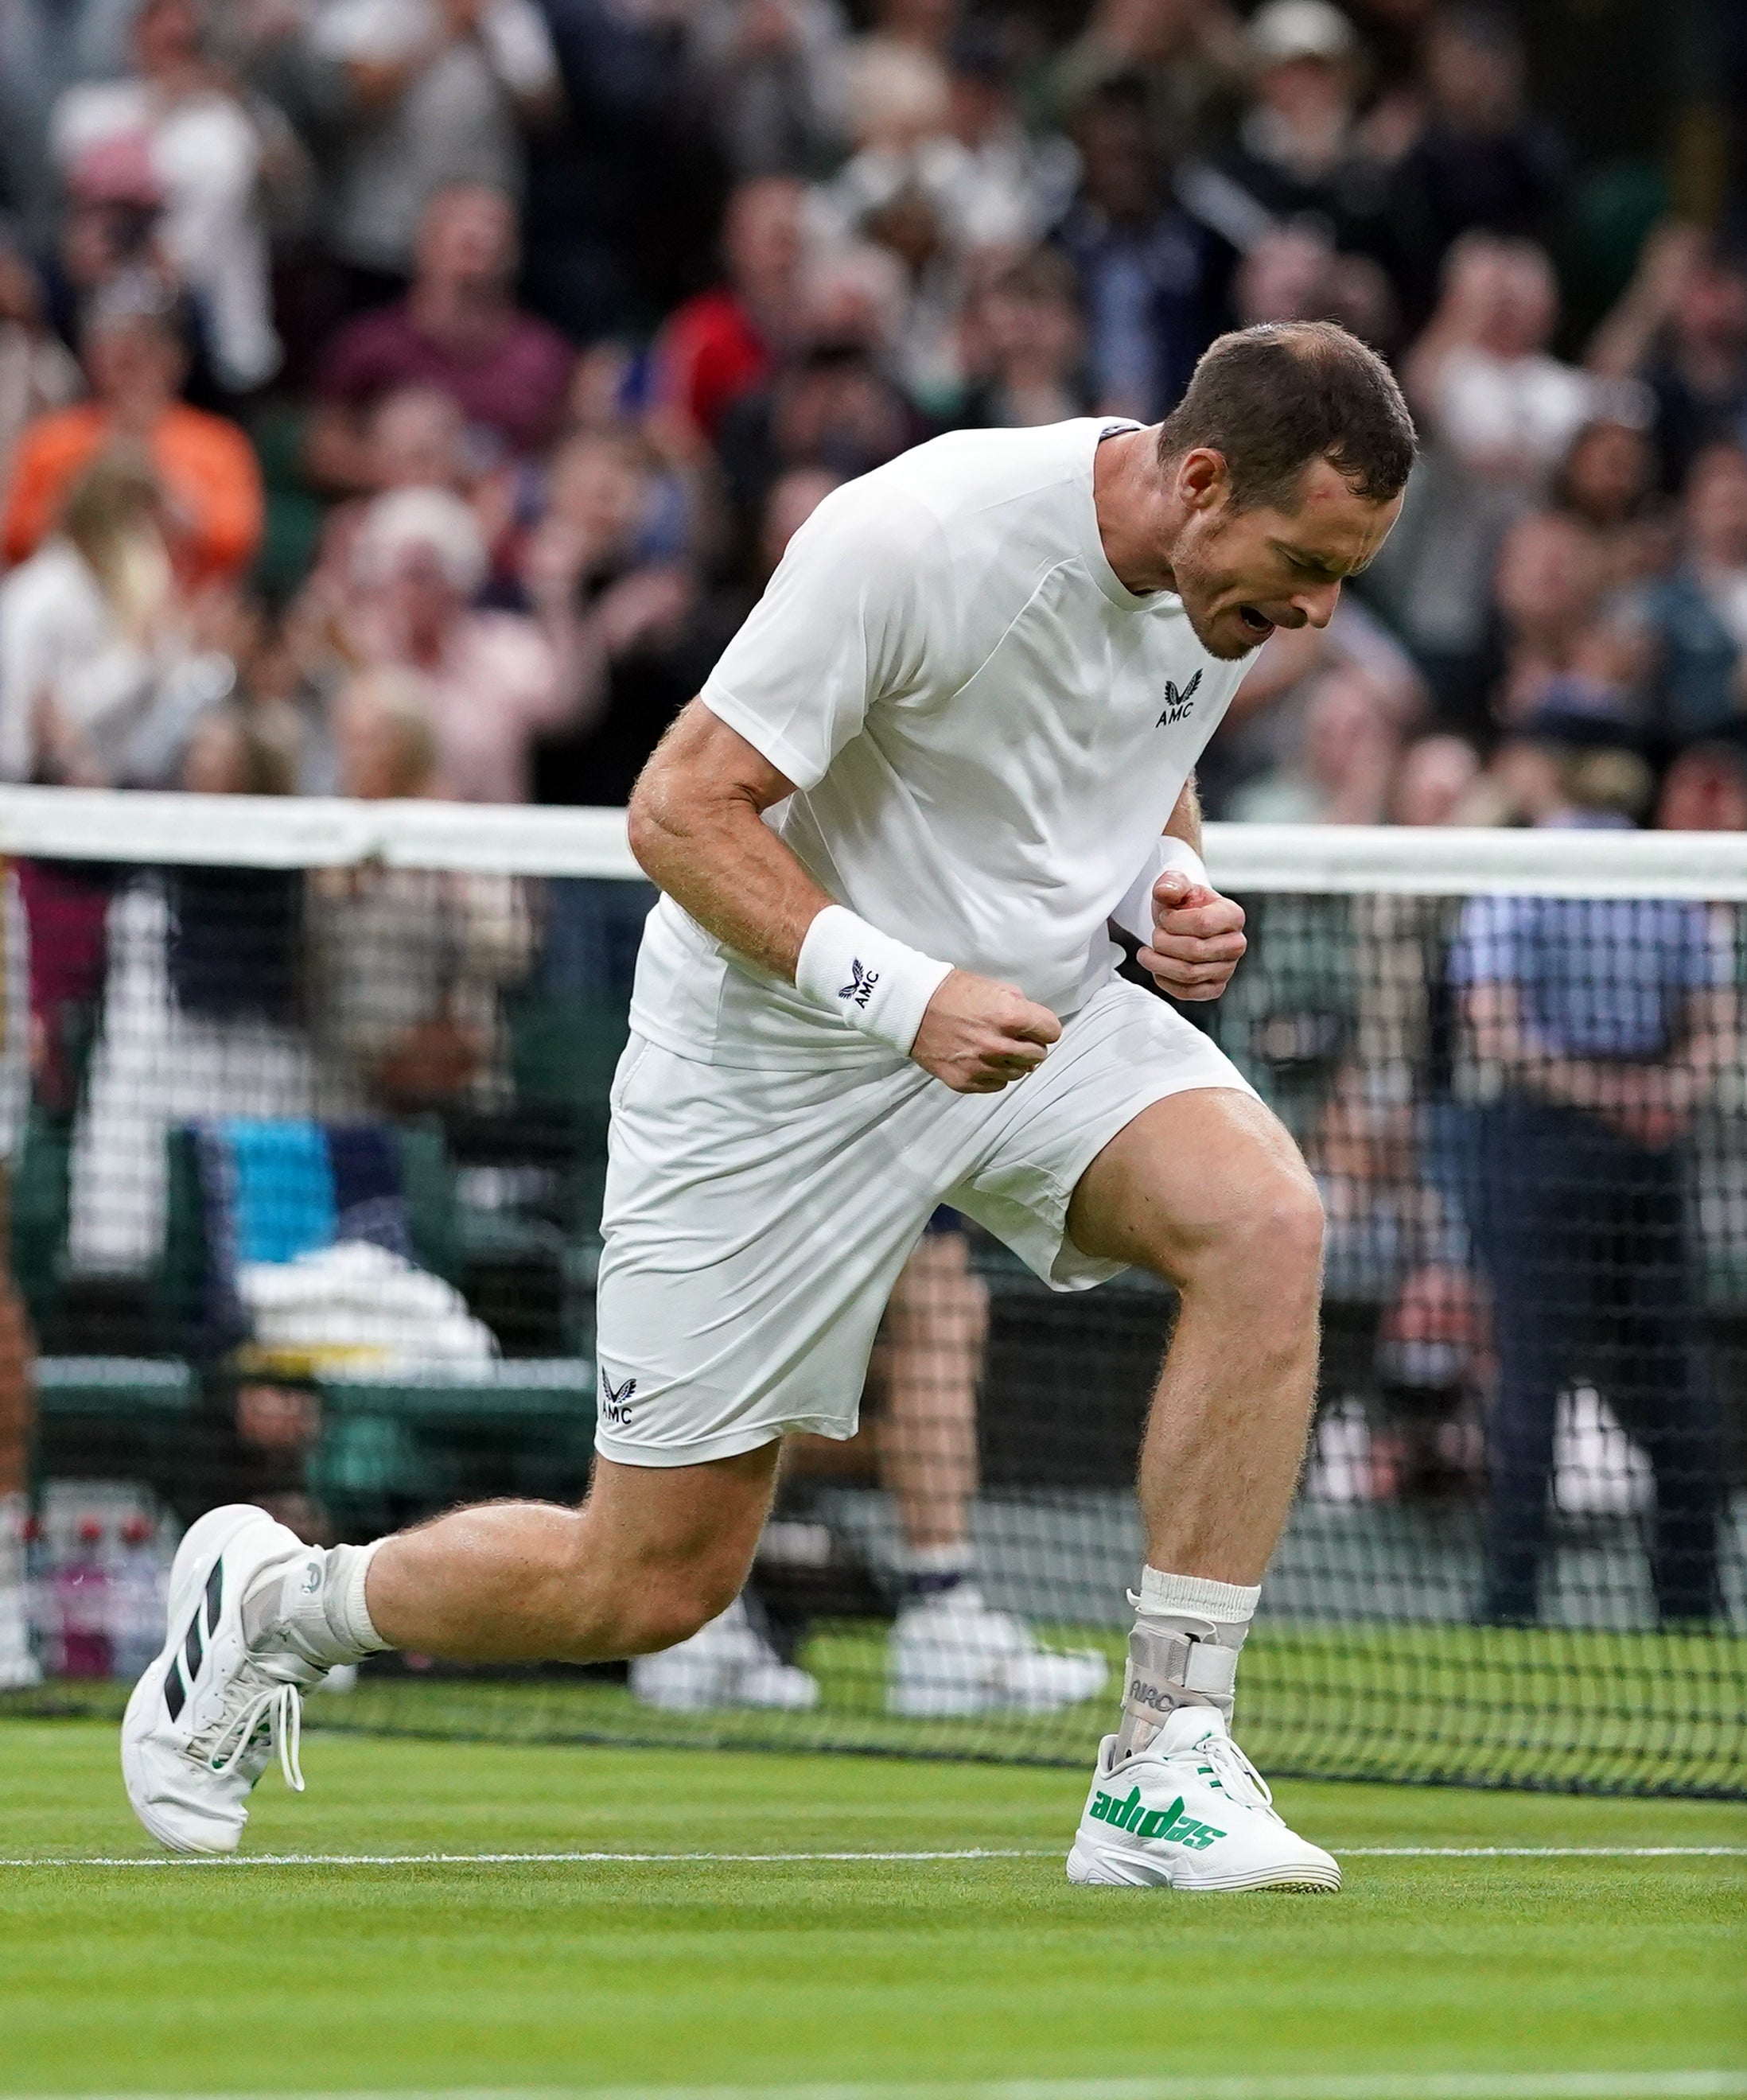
[[1297, 156], [495, 681]]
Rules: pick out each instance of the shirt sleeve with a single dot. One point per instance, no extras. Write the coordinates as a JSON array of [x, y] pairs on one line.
[[384, 30], [859, 603], [1491, 941], [1702, 954], [41, 468], [347, 375], [516, 40], [214, 462]]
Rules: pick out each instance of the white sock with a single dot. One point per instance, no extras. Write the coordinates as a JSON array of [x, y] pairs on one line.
[[313, 1605], [936, 1571], [1183, 1651]]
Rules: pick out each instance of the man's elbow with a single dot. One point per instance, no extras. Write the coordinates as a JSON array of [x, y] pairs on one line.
[[652, 819], [642, 830]]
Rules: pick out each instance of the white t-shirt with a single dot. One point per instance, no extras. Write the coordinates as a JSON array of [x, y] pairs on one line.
[[455, 122], [987, 731], [205, 150]]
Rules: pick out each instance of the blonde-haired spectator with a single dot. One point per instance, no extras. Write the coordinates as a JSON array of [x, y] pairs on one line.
[[101, 674]]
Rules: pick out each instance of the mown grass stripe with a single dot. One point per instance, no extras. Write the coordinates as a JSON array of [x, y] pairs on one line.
[[1696, 2084], [833, 1857]]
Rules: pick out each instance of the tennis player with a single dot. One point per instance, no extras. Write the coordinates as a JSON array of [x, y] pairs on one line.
[[953, 743]]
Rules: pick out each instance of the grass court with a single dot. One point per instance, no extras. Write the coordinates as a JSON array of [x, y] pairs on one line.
[[1497, 1944]]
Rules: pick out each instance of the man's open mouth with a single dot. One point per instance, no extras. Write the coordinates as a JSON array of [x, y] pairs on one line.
[[1258, 623]]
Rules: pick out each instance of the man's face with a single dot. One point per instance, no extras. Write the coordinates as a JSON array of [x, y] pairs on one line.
[[1243, 573], [130, 359], [468, 235]]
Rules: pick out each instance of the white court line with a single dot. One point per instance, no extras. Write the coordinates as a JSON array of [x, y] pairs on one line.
[[803, 1859], [532, 1859], [1387, 2086], [1542, 1852]]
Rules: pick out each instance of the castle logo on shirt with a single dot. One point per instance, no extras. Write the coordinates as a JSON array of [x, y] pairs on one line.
[[1177, 704]]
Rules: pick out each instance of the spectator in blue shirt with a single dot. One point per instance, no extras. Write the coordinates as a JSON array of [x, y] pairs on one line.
[[1605, 1022]]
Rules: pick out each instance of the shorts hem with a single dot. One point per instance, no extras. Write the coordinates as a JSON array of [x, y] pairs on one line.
[[1069, 1269], [731, 1444]]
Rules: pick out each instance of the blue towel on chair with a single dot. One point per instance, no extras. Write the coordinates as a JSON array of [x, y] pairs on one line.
[[283, 1193], [270, 1191]]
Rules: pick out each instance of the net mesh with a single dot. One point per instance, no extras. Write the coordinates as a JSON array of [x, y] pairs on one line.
[[304, 1118]]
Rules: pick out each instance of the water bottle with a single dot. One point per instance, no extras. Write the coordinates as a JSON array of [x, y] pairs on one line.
[[45, 1620], [139, 1596], [81, 1599]]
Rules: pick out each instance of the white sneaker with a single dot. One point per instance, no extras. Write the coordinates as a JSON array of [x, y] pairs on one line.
[[205, 1719], [952, 1654], [727, 1663], [1190, 1811]]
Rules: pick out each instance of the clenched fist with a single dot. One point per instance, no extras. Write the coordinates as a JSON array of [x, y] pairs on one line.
[[1197, 938], [980, 1036]]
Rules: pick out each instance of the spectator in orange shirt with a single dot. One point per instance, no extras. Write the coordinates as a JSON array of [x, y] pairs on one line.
[[135, 361]]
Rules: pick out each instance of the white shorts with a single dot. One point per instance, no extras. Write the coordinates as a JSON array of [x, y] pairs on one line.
[[755, 1221]]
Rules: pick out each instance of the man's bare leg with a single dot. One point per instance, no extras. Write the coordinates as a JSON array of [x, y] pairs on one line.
[[654, 1553], [1208, 1191], [931, 1355]]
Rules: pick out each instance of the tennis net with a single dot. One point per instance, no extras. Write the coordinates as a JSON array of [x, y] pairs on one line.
[[304, 1118]]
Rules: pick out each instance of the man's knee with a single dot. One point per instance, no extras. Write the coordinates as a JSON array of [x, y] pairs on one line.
[[1260, 1238], [639, 1600], [659, 1552], [1280, 1233], [666, 1609]]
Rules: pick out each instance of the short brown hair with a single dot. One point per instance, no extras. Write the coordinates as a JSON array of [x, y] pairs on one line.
[[1270, 399]]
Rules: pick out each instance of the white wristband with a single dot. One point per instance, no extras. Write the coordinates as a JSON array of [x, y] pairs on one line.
[[867, 979], [1134, 915]]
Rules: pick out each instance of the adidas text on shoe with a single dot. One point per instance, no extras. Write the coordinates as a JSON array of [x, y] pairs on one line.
[[1190, 1811]]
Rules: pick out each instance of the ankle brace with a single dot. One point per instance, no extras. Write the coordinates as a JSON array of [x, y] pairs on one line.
[[1183, 1652]]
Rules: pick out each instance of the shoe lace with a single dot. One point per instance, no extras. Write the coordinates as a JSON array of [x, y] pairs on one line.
[[259, 1711], [1237, 1776]]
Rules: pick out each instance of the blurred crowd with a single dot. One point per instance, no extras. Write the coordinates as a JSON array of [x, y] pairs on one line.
[[409, 397]]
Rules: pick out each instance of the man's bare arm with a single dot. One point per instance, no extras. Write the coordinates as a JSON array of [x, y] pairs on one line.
[[1184, 820], [1649, 1101], [696, 827], [1197, 935]]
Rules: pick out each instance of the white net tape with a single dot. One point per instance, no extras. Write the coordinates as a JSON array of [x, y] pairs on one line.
[[1349, 860]]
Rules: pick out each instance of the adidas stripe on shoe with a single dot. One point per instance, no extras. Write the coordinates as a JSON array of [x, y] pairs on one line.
[[207, 1717]]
